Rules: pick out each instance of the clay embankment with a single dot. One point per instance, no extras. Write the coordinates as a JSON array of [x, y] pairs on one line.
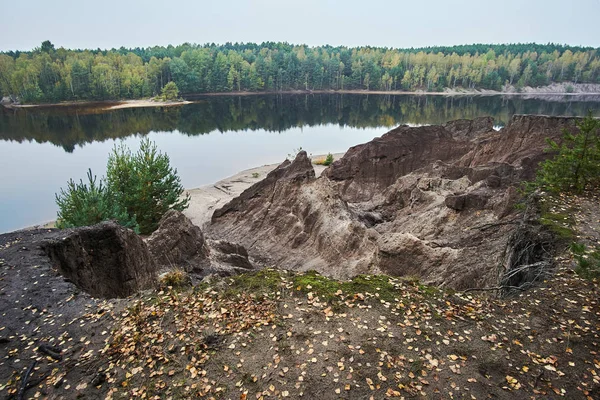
[[436, 202]]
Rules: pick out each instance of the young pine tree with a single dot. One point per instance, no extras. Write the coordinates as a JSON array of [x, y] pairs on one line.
[[145, 184], [576, 167], [89, 203]]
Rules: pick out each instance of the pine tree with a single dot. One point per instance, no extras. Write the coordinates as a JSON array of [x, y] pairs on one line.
[[145, 184], [83, 204], [576, 167]]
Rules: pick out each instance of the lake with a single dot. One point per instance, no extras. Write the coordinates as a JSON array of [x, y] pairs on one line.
[[42, 148]]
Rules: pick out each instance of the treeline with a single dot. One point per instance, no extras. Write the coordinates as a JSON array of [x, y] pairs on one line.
[[47, 74]]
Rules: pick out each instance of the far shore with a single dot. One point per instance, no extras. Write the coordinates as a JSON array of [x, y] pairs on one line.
[[204, 200], [104, 105], [194, 97]]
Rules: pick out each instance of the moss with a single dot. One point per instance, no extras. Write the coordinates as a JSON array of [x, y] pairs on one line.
[[561, 223], [429, 291], [381, 286], [321, 286], [265, 282], [329, 290]]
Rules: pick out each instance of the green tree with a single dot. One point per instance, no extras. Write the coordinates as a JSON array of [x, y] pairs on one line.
[[145, 184], [47, 46], [89, 203], [170, 92], [576, 165]]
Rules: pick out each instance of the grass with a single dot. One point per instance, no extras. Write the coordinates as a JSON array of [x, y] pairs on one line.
[[176, 278], [325, 161]]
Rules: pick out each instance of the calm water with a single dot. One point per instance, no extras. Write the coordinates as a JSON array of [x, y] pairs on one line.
[[215, 138]]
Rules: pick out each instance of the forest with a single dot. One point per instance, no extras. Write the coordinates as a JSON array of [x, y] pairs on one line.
[[48, 74]]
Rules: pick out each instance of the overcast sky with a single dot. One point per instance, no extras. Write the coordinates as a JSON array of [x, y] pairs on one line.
[[393, 23]]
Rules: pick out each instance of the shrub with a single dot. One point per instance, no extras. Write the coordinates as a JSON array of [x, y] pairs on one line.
[[577, 163], [145, 184], [587, 259], [327, 161], [175, 278], [89, 203]]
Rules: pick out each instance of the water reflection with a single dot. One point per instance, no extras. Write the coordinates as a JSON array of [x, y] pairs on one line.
[[69, 127]]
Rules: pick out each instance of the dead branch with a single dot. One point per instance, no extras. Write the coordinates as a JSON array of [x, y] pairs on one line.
[[24, 379]]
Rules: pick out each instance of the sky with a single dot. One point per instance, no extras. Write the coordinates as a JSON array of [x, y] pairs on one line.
[[417, 23]]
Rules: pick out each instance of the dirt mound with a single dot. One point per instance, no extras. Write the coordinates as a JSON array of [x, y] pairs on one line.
[[521, 143], [106, 260], [430, 201], [367, 169], [295, 221], [177, 243]]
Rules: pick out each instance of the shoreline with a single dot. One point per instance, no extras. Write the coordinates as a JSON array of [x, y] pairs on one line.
[[207, 198], [107, 105]]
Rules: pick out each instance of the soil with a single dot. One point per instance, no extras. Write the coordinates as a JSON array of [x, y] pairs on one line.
[[39, 307], [277, 334]]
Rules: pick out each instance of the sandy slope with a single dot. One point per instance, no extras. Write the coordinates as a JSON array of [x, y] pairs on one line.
[[206, 199]]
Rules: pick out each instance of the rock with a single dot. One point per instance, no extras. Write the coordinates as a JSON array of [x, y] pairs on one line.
[[228, 253], [493, 181], [105, 260], [178, 242], [403, 254], [461, 202]]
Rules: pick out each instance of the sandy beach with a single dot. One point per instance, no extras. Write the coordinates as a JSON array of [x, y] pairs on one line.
[[147, 103], [102, 105]]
